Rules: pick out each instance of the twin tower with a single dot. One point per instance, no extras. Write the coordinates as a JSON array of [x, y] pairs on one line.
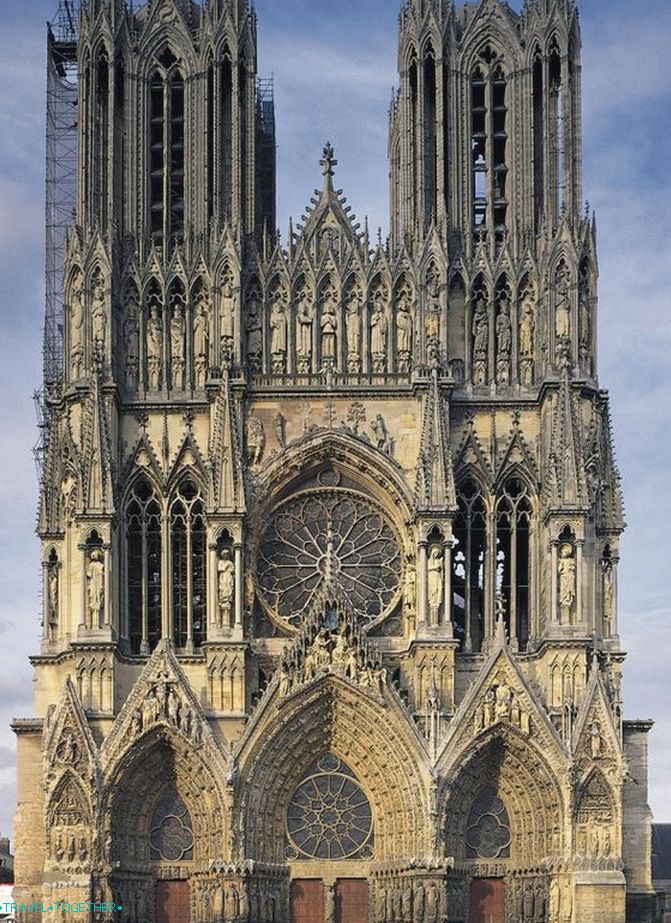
[[330, 526]]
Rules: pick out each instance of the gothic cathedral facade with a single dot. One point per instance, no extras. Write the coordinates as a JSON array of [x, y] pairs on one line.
[[330, 525]]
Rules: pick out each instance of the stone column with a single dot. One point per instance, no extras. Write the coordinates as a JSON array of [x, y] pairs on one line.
[[239, 585], [554, 578], [579, 613], [447, 591], [107, 603], [82, 566], [423, 578]]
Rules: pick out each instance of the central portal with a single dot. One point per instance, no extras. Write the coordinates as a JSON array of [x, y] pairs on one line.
[[308, 898], [488, 901]]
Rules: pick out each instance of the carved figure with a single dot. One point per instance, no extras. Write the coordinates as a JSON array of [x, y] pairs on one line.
[[304, 321], [254, 338], [382, 437], [411, 588], [596, 740], [177, 346], [404, 333], [95, 589], [436, 583], [278, 343], [353, 324], [567, 577], [554, 908], [226, 587], [379, 336], [227, 315], [480, 340], [76, 329], [201, 339], [280, 430], [53, 593], [563, 307], [99, 318], [527, 327], [154, 349], [131, 339], [329, 329], [608, 600], [504, 339], [256, 440]]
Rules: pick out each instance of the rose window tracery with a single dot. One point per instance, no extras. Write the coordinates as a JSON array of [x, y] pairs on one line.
[[329, 539], [329, 816], [171, 835], [488, 835]]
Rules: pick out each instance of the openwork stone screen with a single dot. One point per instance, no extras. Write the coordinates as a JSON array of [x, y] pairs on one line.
[[488, 835], [326, 539], [329, 816], [171, 836]]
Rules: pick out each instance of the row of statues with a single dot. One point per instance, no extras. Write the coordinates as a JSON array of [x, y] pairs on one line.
[[500, 703], [71, 851], [255, 902], [412, 901], [162, 704]]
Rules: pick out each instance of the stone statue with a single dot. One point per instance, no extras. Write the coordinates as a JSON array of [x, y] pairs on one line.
[[201, 339], [504, 341], [353, 324], [226, 587], [554, 908], [77, 329], [608, 600], [436, 583], [480, 341], [567, 577], [504, 700], [304, 321], [177, 346], [131, 340], [527, 328], [227, 316], [379, 336], [53, 594], [562, 307], [95, 589], [404, 333], [432, 903], [596, 740], [278, 338], [256, 440], [280, 425], [418, 903], [154, 349], [329, 329], [99, 318], [411, 587], [382, 437], [254, 339]]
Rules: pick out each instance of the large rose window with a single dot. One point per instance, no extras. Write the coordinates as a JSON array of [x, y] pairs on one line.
[[329, 541]]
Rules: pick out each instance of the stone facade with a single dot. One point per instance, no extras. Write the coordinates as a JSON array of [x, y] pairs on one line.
[[331, 528]]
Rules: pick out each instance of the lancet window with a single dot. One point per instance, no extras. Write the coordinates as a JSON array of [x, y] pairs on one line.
[[513, 563], [188, 560], [469, 567], [143, 546], [166, 149], [489, 142]]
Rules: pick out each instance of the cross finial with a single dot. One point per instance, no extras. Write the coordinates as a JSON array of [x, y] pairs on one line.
[[328, 164]]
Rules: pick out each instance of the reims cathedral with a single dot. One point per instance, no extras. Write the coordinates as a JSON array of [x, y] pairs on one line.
[[330, 525]]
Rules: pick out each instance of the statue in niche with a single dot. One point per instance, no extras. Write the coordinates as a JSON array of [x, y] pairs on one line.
[[585, 334], [304, 322], [504, 340], [527, 332], [411, 587], [563, 313], [68, 495], [77, 315], [404, 332], [154, 349], [608, 599], [254, 338], [280, 425], [383, 440], [227, 316], [436, 584], [567, 580], [225, 587], [596, 740], [201, 339], [278, 334], [131, 340], [432, 903], [95, 589], [554, 908], [52, 598], [329, 331], [177, 346], [353, 324], [433, 319], [480, 340], [99, 318], [379, 335]]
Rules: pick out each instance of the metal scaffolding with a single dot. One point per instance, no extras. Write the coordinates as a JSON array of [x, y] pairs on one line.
[[267, 151], [61, 172]]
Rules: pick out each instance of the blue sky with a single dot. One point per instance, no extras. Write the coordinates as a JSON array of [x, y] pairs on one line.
[[334, 67]]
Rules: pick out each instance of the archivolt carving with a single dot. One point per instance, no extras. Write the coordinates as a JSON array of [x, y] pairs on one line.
[[384, 753]]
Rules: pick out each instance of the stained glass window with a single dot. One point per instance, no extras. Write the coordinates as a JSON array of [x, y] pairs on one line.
[[171, 835], [488, 834], [329, 816]]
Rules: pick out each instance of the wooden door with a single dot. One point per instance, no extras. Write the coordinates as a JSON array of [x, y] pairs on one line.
[[488, 901], [307, 901], [351, 900], [173, 902]]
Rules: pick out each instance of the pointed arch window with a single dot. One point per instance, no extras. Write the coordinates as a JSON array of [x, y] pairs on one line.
[[171, 832], [488, 833], [556, 129], [143, 562], [101, 152], [489, 146], [469, 567], [188, 561], [513, 557], [166, 149]]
